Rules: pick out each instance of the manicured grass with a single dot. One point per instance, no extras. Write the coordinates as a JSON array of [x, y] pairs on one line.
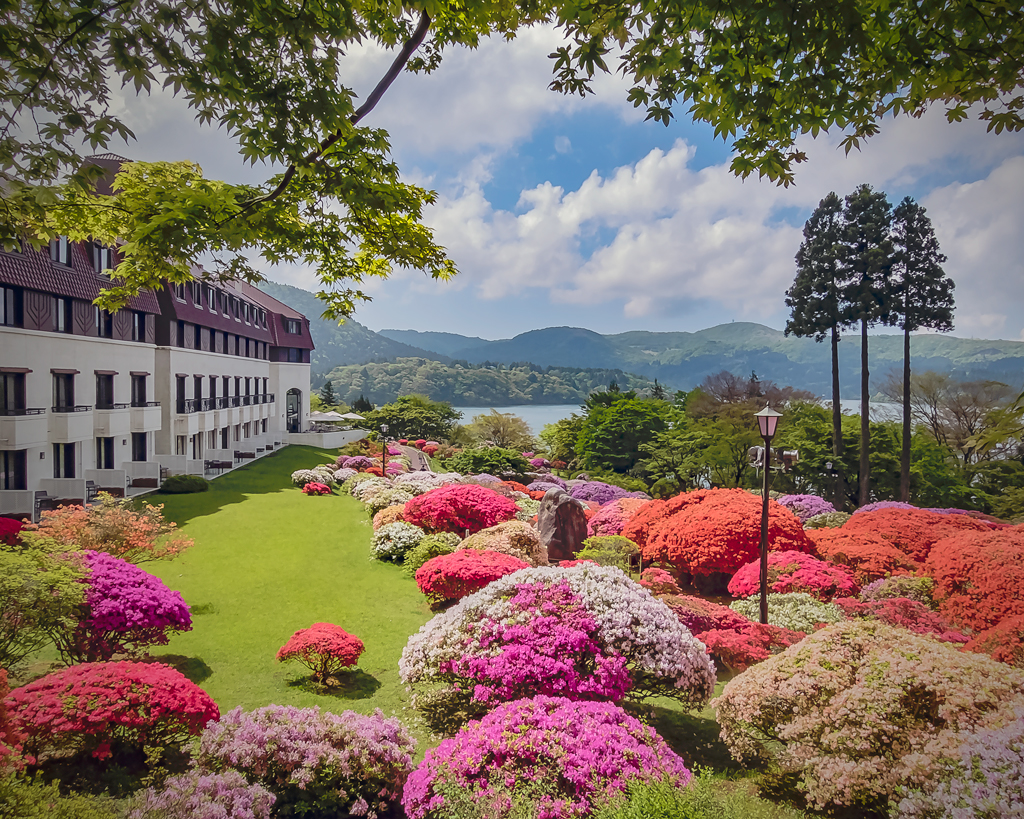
[[269, 560]]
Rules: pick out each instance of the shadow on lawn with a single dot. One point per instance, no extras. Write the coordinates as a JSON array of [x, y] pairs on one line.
[[694, 737], [192, 667], [352, 685]]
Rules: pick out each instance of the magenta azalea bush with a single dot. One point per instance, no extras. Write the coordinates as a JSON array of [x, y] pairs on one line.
[[459, 508], [125, 609], [313, 761], [583, 632], [198, 795], [314, 488], [794, 572], [806, 507], [557, 756]]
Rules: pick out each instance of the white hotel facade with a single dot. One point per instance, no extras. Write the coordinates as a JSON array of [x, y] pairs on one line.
[[194, 379]]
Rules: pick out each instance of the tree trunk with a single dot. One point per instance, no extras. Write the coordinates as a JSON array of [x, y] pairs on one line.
[[865, 432], [839, 500], [905, 454]]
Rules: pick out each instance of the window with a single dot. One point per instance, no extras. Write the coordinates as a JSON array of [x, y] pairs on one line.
[[60, 250], [211, 298], [197, 446], [248, 384], [139, 390], [179, 291], [222, 299], [12, 393], [197, 387], [211, 439], [247, 348], [263, 425], [63, 460], [266, 383], [62, 315], [10, 306], [138, 326], [238, 433], [104, 453], [179, 394], [63, 392], [14, 469], [238, 385], [140, 446], [292, 326], [197, 293], [102, 258], [238, 344], [225, 437], [246, 313], [213, 386], [295, 355], [246, 429], [181, 333], [180, 445], [104, 324], [197, 339], [224, 386], [104, 391]]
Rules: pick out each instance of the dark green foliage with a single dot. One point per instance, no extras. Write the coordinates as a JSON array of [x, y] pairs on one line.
[[327, 394], [184, 484], [613, 430], [362, 405], [21, 798], [491, 460], [414, 416], [442, 543]]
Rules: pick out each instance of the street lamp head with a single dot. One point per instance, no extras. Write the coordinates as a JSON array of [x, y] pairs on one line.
[[767, 421], [384, 429]]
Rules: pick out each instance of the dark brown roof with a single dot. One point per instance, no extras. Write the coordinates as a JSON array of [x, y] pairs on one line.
[[111, 164], [189, 311], [277, 312]]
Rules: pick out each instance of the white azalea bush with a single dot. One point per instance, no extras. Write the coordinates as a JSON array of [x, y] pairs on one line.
[[343, 474], [420, 482], [366, 489], [796, 611], [300, 477], [392, 542], [528, 507], [392, 496]]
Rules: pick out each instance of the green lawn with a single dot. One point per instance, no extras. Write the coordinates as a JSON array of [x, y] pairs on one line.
[[269, 560]]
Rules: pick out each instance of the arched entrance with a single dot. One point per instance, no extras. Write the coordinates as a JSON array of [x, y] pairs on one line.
[[293, 410]]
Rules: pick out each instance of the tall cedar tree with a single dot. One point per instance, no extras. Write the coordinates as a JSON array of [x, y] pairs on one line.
[[327, 394], [817, 306], [867, 258], [922, 297]]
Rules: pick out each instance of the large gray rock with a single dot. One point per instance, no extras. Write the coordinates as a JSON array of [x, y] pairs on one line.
[[562, 524]]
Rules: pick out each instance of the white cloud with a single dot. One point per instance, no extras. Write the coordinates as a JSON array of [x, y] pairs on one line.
[[562, 144]]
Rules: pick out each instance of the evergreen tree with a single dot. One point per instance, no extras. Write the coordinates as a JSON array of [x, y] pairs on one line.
[[867, 258], [817, 304], [362, 405], [327, 394], [922, 297]]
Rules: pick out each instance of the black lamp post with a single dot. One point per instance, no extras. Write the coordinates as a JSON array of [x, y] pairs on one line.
[[767, 421], [384, 450]]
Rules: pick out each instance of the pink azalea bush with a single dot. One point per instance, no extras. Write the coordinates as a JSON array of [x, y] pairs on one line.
[[515, 538], [794, 572], [314, 762], [612, 517], [540, 752], [659, 581], [907, 586], [874, 507], [484, 640], [805, 507], [863, 709], [198, 795], [453, 576], [459, 508], [909, 614], [316, 489], [324, 648]]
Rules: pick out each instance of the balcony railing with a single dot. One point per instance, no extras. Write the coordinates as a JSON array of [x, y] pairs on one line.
[[187, 406], [236, 400], [145, 403], [223, 402], [77, 408], [246, 400], [111, 406], [23, 411], [206, 404]]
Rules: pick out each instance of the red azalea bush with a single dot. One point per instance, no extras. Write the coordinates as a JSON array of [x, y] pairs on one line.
[[870, 557], [612, 517], [91, 706], [430, 450], [9, 530], [314, 488], [658, 581], [324, 648], [10, 739], [458, 508], [451, 577], [700, 615], [419, 443], [906, 613], [738, 650], [913, 531], [719, 532], [794, 572], [651, 513], [979, 576], [1003, 642], [568, 564]]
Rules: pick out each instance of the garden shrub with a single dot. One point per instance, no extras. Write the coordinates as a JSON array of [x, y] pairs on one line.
[[602, 493], [609, 550], [316, 763], [490, 460], [300, 477], [357, 462], [612, 517], [1003, 642], [10, 738], [658, 581], [979, 577], [599, 607], [794, 572], [316, 489], [700, 615], [909, 614], [342, 475], [22, 798], [184, 485], [393, 541], [870, 557], [441, 543], [738, 649], [906, 586], [459, 508], [913, 531], [420, 482], [719, 531], [94, 706], [10, 529], [350, 485], [389, 514], [199, 795], [453, 576], [863, 708], [806, 507], [515, 538], [114, 526], [887, 504], [829, 520], [392, 496], [539, 753], [546, 483], [795, 611], [654, 512], [324, 648], [528, 509]]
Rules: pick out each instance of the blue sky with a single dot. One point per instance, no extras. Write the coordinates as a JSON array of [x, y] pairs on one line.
[[562, 211]]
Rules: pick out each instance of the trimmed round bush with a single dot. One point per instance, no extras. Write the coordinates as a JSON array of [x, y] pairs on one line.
[[459, 508], [913, 531], [805, 507], [829, 520], [343, 474], [315, 763], [392, 496], [389, 514], [441, 543], [905, 613], [515, 538], [609, 550], [453, 576], [795, 611], [316, 489], [870, 557], [794, 572], [612, 517], [556, 757], [1003, 642], [392, 542], [905, 586], [198, 795], [324, 648], [601, 493], [184, 484], [659, 582], [864, 709]]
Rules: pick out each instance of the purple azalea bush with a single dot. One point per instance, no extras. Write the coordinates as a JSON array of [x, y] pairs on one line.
[[805, 507], [564, 757], [357, 462], [549, 482], [602, 493], [313, 761], [871, 507], [198, 795]]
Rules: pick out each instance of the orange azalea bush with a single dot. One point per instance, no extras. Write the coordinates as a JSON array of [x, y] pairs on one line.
[[913, 531], [1003, 642], [115, 527], [720, 532], [389, 514], [869, 556], [653, 512]]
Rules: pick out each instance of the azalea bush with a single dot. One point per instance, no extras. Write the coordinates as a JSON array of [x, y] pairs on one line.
[[795, 611], [547, 482], [909, 614], [827, 520], [602, 493], [868, 556], [440, 543], [393, 541], [324, 648], [700, 615], [114, 526], [389, 514], [794, 572], [314, 762], [391, 496], [913, 531], [453, 576], [612, 517], [199, 795], [316, 489], [364, 490], [124, 610], [979, 576], [93, 707], [864, 710], [602, 625], [10, 529], [515, 538], [10, 738], [658, 581], [806, 507], [539, 755], [343, 474], [459, 508], [609, 550], [357, 462], [906, 586], [738, 649]]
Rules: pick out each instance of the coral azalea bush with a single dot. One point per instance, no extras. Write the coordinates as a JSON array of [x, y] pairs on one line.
[[870, 557], [324, 648], [313, 488], [453, 576], [913, 531], [794, 572], [1003, 642], [459, 508], [540, 755]]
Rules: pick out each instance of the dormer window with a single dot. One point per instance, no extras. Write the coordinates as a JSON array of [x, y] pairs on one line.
[[102, 258], [292, 326], [60, 250], [179, 290]]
